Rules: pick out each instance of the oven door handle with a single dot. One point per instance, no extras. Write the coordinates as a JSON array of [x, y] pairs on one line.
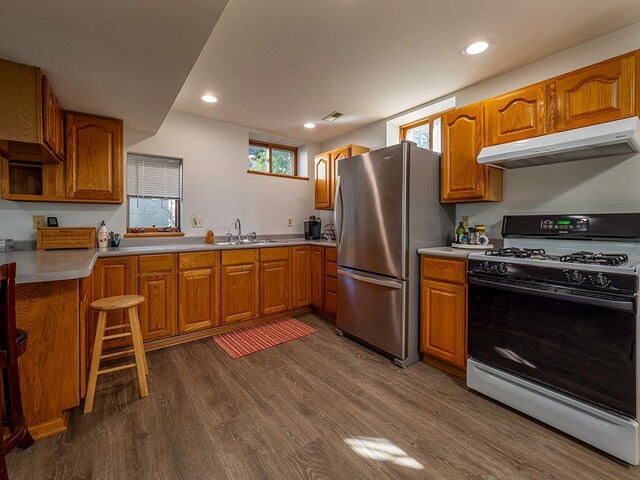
[[623, 305]]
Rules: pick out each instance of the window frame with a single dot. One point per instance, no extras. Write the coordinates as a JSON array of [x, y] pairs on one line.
[[419, 123], [157, 231], [276, 146]]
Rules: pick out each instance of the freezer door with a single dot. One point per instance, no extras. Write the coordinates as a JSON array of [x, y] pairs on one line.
[[373, 309], [370, 212]]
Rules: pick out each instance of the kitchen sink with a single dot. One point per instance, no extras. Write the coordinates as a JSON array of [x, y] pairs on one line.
[[265, 241]]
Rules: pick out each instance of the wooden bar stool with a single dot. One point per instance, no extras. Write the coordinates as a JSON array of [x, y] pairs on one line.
[[103, 306], [13, 343]]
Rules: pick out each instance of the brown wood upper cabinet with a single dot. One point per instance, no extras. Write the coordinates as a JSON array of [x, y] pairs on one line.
[[599, 93], [326, 173], [94, 158], [462, 178], [31, 121], [239, 280], [443, 326], [515, 116]]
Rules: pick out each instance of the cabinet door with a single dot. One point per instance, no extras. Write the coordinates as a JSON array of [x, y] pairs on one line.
[[239, 292], [53, 123], [443, 321], [596, 94], [94, 158], [301, 277], [322, 180], [275, 287], [317, 277], [114, 276], [462, 139], [158, 312], [515, 116], [198, 299]]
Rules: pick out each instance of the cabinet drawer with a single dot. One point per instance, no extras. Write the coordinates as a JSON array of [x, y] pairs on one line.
[[446, 270], [331, 254], [198, 260], [331, 269], [155, 263], [330, 303], [331, 284], [274, 253], [239, 257]]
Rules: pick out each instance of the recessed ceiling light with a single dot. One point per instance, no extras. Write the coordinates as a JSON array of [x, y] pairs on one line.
[[476, 47], [209, 99], [309, 125]]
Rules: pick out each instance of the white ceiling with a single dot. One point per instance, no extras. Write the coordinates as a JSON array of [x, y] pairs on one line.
[[277, 64], [121, 58]]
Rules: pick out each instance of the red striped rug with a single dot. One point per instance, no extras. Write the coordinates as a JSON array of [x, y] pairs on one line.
[[252, 339]]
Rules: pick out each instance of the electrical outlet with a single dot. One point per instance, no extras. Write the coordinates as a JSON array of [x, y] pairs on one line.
[[289, 222], [197, 221], [38, 221]]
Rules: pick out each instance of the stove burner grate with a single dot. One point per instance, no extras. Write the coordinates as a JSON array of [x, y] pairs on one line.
[[517, 252], [609, 259]]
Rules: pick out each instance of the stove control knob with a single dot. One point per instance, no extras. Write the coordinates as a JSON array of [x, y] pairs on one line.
[[502, 268], [486, 266], [575, 276], [600, 280]]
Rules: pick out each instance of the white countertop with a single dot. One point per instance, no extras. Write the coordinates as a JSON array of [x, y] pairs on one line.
[[445, 252], [51, 265]]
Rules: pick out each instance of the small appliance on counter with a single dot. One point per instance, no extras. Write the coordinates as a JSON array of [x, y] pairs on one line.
[[313, 228]]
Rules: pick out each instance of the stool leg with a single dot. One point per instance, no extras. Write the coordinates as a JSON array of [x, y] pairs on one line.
[[138, 349], [95, 362]]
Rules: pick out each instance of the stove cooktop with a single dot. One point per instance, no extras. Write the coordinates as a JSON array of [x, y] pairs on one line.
[[582, 257]]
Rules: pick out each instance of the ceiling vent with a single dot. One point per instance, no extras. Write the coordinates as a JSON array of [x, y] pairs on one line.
[[332, 116]]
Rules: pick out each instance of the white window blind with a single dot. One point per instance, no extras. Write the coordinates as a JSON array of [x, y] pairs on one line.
[[158, 177]]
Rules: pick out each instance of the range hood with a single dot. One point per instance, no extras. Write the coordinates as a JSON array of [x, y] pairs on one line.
[[611, 138]]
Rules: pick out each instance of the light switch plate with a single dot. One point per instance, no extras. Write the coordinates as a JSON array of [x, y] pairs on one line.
[[197, 221], [38, 221], [289, 222]]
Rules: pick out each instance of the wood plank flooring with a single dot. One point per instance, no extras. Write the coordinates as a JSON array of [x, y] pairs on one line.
[[321, 407]]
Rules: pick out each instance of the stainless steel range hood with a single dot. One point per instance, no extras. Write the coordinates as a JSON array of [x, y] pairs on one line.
[[612, 138]]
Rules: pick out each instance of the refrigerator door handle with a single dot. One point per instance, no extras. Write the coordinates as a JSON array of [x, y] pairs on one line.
[[376, 281], [337, 206]]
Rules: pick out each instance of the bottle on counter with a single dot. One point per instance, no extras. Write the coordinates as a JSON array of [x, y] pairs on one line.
[[103, 235], [459, 233], [210, 237], [482, 236]]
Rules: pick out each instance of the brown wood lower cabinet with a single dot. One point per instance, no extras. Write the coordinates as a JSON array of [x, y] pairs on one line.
[[275, 279], [239, 293], [444, 313], [300, 276], [317, 277], [157, 284], [198, 291]]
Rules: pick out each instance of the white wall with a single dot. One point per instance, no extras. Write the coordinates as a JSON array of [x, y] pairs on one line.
[[216, 184], [604, 185]]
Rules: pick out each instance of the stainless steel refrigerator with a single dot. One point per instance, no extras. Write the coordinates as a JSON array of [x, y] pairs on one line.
[[387, 206]]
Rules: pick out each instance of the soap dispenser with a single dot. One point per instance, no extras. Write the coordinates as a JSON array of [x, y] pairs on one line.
[[103, 236]]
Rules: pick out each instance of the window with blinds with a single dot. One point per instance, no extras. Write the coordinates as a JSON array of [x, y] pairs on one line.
[[154, 192]]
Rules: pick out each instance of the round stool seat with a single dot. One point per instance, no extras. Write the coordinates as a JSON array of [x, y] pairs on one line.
[[117, 303]]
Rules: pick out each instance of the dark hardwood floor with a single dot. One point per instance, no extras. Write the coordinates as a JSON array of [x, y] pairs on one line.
[[321, 407]]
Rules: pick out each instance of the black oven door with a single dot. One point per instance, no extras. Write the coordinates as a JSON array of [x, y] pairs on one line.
[[579, 343]]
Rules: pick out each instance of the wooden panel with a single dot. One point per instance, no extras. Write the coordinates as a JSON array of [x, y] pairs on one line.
[[275, 286], [198, 306], [317, 277], [21, 112], [164, 262], [301, 277], [596, 94], [443, 322], [331, 254], [330, 303], [516, 115], [331, 284], [274, 253], [49, 370], [239, 292], [114, 276], [53, 123], [158, 313], [239, 257], [66, 237], [331, 269], [198, 260], [94, 157], [444, 269], [322, 180], [86, 292]]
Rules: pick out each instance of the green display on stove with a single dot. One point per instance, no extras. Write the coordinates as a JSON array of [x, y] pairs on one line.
[[563, 222]]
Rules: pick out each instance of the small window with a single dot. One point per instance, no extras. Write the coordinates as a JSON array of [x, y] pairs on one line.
[[273, 159], [154, 193], [426, 133]]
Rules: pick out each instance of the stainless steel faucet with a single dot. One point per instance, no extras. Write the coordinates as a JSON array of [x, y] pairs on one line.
[[238, 226]]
